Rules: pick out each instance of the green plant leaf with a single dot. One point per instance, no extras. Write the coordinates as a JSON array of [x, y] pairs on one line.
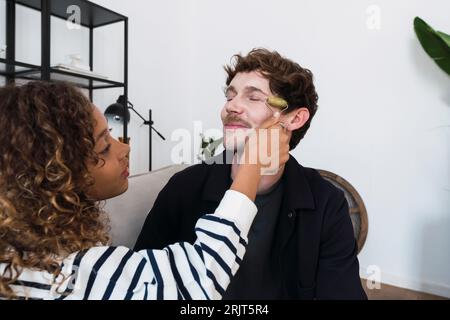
[[444, 37], [436, 44], [215, 143]]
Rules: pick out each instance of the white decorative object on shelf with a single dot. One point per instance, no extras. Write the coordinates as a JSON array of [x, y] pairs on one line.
[[68, 68], [76, 62], [76, 66]]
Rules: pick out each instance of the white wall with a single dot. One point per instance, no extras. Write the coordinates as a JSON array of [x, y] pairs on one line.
[[158, 76], [384, 105], [383, 110]]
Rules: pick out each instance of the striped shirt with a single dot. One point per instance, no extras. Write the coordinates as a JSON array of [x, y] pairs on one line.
[[180, 271]]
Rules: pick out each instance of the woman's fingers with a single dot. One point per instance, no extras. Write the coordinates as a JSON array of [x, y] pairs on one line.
[[271, 121], [268, 145]]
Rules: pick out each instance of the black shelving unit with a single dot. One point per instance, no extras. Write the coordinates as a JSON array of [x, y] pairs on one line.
[[92, 16]]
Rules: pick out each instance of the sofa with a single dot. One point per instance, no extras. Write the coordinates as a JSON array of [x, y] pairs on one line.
[[128, 211]]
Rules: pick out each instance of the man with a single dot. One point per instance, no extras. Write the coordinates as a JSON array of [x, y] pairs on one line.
[[301, 245]]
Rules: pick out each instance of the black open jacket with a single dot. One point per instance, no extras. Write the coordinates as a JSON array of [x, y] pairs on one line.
[[314, 245]]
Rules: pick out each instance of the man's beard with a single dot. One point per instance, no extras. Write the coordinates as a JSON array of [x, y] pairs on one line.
[[234, 139]]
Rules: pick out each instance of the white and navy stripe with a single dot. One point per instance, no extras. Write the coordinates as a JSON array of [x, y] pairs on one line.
[[179, 271]]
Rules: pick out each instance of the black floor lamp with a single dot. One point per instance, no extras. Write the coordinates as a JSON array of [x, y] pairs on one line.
[[119, 113]]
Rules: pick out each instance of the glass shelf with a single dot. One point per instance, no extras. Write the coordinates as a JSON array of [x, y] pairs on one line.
[[80, 80], [94, 15], [16, 69], [33, 72]]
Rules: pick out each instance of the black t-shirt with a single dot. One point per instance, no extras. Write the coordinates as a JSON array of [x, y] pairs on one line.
[[257, 278]]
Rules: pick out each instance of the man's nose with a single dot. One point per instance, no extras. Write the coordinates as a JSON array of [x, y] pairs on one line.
[[235, 106]]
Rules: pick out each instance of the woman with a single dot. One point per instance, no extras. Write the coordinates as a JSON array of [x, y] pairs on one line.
[[57, 160]]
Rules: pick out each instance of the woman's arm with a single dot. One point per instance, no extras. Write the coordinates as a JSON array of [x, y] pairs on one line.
[[180, 271]]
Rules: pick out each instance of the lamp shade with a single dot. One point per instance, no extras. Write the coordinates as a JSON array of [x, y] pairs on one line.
[[116, 113]]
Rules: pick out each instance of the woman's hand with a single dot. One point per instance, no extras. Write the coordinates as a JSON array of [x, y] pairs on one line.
[[265, 152]]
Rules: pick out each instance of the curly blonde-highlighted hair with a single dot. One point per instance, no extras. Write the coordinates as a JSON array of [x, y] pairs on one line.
[[46, 142]]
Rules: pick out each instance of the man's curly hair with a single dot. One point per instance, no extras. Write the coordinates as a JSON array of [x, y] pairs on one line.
[[287, 79], [46, 142]]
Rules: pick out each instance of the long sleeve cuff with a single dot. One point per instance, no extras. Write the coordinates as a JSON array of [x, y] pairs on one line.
[[237, 207]]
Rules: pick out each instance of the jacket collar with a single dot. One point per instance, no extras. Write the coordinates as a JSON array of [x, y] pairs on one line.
[[297, 190]]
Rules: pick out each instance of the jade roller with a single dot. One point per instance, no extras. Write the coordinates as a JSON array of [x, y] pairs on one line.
[[277, 103]]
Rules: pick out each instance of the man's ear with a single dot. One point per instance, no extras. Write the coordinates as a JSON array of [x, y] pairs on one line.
[[296, 119]]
